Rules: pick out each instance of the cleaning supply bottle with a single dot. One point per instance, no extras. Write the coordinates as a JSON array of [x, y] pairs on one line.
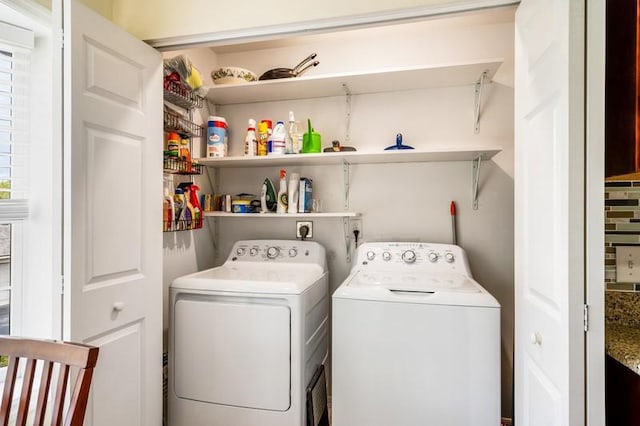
[[282, 193], [189, 209], [197, 207], [251, 141], [180, 207], [292, 198], [263, 198], [279, 139], [168, 215], [263, 138], [294, 137]]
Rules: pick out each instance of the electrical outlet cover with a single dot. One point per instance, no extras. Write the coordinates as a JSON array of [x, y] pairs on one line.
[[308, 224], [628, 264]]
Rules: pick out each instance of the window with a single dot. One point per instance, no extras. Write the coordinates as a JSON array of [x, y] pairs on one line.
[[15, 47]]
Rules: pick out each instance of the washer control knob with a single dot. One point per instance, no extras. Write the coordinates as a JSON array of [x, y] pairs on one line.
[[409, 256], [449, 257], [253, 251], [273, 252], [293, 252], [433, 257], [371, 255], [241, 251], [386, 256]]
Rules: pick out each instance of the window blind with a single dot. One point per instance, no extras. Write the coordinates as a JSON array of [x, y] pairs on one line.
[[15, 50]]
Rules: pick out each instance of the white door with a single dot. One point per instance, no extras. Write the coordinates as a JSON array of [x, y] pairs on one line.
[[113, 213], [549, 213]]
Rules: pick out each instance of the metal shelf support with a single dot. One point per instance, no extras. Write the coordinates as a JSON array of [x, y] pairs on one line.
[[347, 239], [476, 179], [346, 177], [347, 132], [478, 100]]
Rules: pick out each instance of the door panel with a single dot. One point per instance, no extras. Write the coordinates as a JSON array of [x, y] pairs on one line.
[[121, 361], [241, 349], [112, 214], [549, 213]]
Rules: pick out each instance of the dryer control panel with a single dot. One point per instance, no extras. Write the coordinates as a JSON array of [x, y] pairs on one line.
[[282, 251], [427, 257]]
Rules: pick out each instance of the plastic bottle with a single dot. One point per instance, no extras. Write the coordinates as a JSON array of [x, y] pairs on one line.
[[185, 154], [173, 144], [216, 137], [292, 198], [197, 207], [251, 141], [168, 215], [279, 139], [263, 198], [282, 193], [180, 207], [263, 137], [294, 137]]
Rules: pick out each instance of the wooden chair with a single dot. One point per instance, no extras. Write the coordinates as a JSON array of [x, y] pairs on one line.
[[66, 355]]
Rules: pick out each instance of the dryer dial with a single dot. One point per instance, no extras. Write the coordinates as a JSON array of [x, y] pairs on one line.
[[273, 252], [409, 256], [386, 256], [253, 251], [371, 255], [241, 251], [433, 257], [449, 257], [293, 252]]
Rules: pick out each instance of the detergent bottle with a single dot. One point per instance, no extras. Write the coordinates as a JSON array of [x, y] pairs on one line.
[[282, 193]]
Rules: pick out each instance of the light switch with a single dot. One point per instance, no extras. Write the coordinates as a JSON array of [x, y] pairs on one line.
[[628, 264]]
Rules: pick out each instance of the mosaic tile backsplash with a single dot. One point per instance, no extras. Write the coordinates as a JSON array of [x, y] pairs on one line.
[[621, 227]]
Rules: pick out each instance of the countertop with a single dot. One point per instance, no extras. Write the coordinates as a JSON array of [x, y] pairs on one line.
[[622, 343]]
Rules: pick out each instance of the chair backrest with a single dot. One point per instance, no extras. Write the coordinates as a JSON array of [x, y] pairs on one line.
[[64, 355]]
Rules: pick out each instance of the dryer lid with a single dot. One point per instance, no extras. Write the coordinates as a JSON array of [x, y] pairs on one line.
[[253, 278]]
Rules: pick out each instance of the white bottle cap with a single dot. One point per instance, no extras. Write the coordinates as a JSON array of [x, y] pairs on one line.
[[291, 117]]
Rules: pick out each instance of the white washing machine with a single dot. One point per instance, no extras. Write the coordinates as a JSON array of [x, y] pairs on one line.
[[416, 341], [246, 337]]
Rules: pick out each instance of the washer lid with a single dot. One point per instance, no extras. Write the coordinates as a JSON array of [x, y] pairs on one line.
[[412, 288], [253, 278]]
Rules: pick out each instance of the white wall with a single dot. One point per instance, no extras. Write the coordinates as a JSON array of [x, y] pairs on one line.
[[153, 19], [397, 201], [188, 251]]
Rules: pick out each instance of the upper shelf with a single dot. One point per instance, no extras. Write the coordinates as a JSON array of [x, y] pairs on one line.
[[401, 156], [397, 79]]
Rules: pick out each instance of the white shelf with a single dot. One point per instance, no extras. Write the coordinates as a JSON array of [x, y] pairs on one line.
[[392, 156], [317, 86], [282, 215]]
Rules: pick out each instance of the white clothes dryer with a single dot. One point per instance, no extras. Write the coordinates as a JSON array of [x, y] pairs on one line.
[[246, 337], [416, 341]]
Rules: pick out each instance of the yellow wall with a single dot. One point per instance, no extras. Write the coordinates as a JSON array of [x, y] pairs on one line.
[[103, 7], [152, 19]]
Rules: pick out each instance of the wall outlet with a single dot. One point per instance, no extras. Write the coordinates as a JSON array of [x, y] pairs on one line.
[[356, 225], [628, 264], [308, 224]]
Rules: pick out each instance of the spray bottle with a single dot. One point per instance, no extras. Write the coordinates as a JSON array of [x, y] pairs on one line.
[[197, 207], [282, 193], [251, 142]]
